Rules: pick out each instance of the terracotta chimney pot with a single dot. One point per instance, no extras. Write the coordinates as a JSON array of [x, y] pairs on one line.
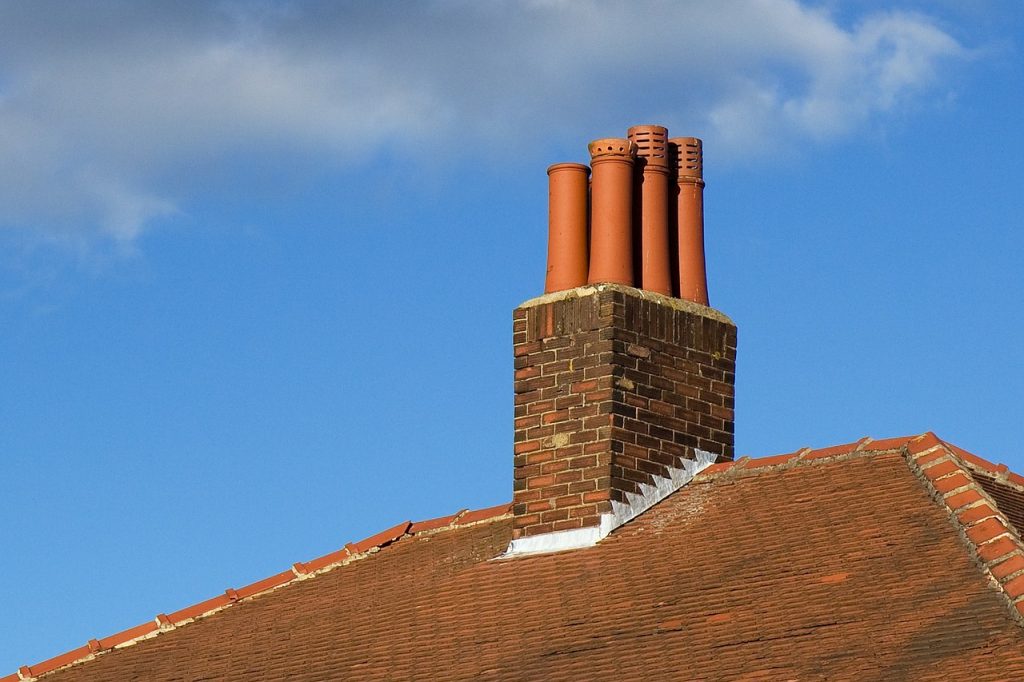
[[611, 204], [693, 283], [653, 157], [568, 186]]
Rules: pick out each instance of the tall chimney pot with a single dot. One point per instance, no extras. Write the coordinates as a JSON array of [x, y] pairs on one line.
[[611, 203], [567, 226], [693, 283], [653, 157]]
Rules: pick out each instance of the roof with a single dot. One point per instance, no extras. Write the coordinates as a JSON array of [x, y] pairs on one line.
[[894, 559]]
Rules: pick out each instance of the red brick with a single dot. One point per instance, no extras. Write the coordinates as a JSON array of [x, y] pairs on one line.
[[553, 491], [584, 462], [540, 407], [539, 457], [569, 476], [554, 515], [528, 520], [540, 481], [931, 457], [997, 548], [538, 529], [527, 373], [554, 467], [925, 441], [568, 500], [944, 485], [963, 499], [567, 524], [1015, 587], [527, 422], [526, 348], [1008, 567], [527, 446], [552, 417], [588, 511], [941, 469], [985, 531], [583, 386], [973, 514]]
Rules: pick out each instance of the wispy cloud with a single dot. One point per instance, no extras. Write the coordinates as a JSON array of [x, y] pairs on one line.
[[101, 105]]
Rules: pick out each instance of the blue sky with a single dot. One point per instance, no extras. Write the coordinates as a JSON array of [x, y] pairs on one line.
[[258, 260]]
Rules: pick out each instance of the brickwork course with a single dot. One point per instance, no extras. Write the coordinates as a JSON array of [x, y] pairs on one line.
[[894, 559], [613, 388]]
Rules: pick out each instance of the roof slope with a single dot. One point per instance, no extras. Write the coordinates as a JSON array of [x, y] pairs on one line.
[[869, 561]]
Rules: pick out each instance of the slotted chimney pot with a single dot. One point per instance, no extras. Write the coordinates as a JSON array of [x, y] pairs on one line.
[[611, 210], [693, 283]]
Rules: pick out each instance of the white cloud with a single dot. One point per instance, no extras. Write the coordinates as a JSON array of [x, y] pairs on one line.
[[99, 106]]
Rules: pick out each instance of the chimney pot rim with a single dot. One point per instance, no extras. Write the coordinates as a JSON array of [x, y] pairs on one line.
[[662, 168], [618, 147], [647, 128], [555, 167], [687, 140]]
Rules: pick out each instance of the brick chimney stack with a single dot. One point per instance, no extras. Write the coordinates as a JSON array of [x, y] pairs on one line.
[[621, 394]]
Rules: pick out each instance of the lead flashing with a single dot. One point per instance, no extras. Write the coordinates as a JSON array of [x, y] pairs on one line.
[[622, 512]]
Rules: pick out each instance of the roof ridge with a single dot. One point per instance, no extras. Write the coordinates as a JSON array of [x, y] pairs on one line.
[[298, 572], [747, 465], [947, 472], [998, 471]]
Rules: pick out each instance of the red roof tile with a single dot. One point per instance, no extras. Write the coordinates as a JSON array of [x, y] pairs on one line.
[[59, 661], [788, 571], [434, 524], [326, 560], [887, 443], [485, 514], [835, 450], [128, 635], [199, 609], [381, 539], [265, 584]]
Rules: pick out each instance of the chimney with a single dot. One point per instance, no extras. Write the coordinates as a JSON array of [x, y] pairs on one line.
[[623, 389]]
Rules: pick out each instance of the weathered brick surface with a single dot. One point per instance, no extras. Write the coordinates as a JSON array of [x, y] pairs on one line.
[[612, 387]]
